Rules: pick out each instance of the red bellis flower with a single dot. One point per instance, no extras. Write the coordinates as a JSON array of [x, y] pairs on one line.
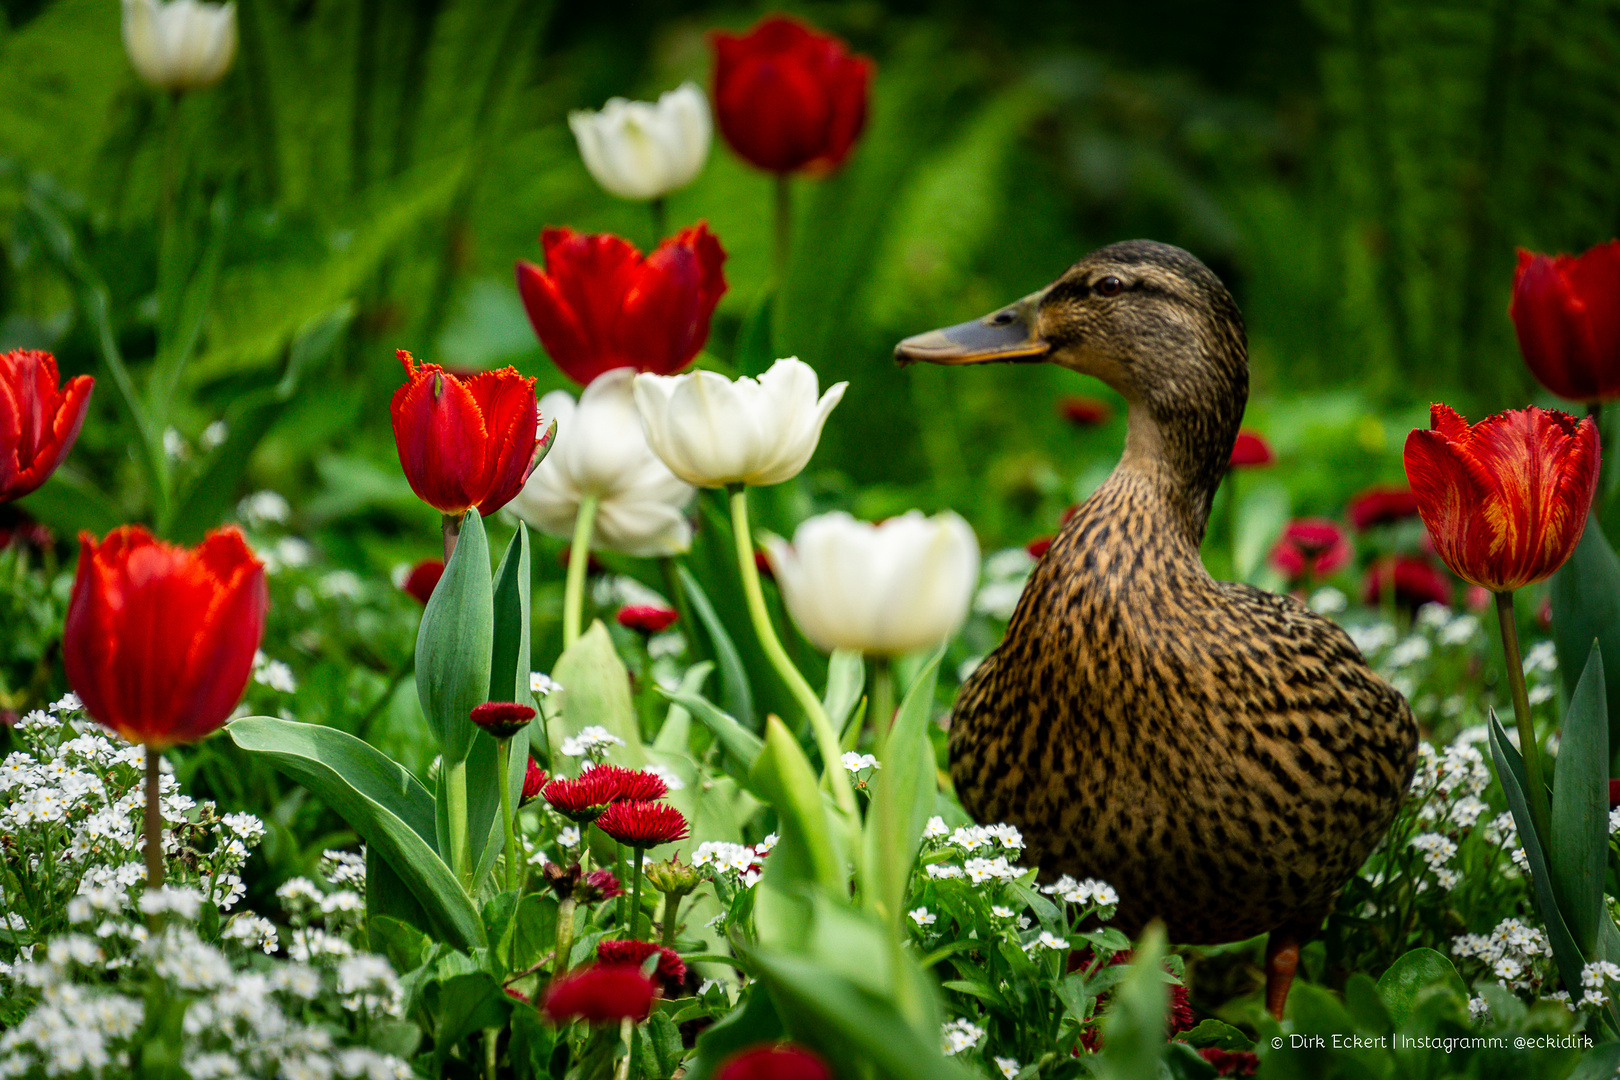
[[670, 970], [646, 618], [1382, 506], [1566, 312], [1084, 411], [1250, 449], [465, 441], [502, 719], [1312, 547], [598, 305], [39, 419], [1414, 582], [600, 994], [787, 98], [159, 640], [534, 779], [1505, 500], [786, 1061], [423, 579], [643, 824]]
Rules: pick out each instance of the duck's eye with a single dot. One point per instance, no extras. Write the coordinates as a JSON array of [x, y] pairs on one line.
[[1001, 318], [1109, 286]]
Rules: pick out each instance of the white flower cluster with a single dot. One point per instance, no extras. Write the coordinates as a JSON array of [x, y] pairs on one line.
[[592, 742], [739, 863], [970, 839], [1438, 851], [960, 1035], [1512, 952], [1595, 980], [273, 673], [1087, 892]]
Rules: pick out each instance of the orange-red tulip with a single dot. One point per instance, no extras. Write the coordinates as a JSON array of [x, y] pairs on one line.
[[159, 639], [1505, 500], [1566, 311], [465, 441], [39, 419]]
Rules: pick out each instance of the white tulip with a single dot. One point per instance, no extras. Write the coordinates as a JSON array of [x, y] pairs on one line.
[[601, 452], [712, 431], [884, 589], [181, 44], [638, 150]]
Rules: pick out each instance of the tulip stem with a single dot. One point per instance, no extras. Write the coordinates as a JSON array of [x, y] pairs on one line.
[[456, 789], [579, 555], [881, 715], [660, 219], [784, 228], [503, 750], [826, 737], [1528, 750], [154, 829], [451, 528]]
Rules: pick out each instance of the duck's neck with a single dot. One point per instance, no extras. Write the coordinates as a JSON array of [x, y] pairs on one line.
[[1180, 459]]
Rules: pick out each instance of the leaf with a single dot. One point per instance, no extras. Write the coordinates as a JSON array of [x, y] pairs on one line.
[[806, 856], [388, 898], [736, 693], [754, 351], [455, 642], [380, 800], [753, 1021], [1261, 515], [1599, 1063], [596, 691], [1134, 1029], [739, 742], [674, 735], [1365, 1006], [1578, 850], [1212, 1032], [531, 1046], [1414, 972], [846, 682], [1585, 598], [905, 796], [461, 1005]]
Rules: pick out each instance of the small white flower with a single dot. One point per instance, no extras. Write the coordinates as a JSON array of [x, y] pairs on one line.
[[855, 763], [922, 916], [541, 684], [1009, 1066], [1049, 940], [941, 870], [1477, 1009], [1001, 911], [961, 1035], [67, 703], [569, 837], [1544, 692], [1507, 968], [1328, 601], [590, 740], [1542, 656], [263, 507], [935, 828]]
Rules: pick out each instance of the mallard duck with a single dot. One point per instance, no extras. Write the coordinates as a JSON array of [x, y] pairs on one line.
[[1221, 755]]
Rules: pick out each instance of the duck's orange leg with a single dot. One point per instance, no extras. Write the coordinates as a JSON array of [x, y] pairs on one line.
[[1282, 960]]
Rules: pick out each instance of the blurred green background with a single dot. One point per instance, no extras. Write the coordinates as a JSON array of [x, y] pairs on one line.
[[1358, 171]]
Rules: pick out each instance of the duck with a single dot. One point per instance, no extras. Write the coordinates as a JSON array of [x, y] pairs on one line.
[[1221, 755]]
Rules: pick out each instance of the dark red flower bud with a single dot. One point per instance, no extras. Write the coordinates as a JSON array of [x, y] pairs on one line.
[[1382, 506], [1415, 582], [159, 639], [599, 885], [533, 780], [1311, 547], [787, 98], [1251, 449], [465, 441], [598, 305], [502, 719], [39, 419], [423, 579], [600, 994], [670, 971], [1084, 411], [643, 824], [1566, 311], [785, 1061], [1037, 547], [647, 618]]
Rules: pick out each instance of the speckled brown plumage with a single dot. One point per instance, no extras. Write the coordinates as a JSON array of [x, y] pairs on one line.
[[1221, 755]]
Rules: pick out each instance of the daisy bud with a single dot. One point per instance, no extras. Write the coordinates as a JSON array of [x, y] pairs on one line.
[[502, 719]]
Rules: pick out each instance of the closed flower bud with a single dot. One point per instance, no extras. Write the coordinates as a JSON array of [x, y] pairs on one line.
[[598, 885], [1505, 500], [39, 419], [159, 640], [673, 877], [646, 618], [502, 719], [638, 150], [712, 431], [601, 452], [1566, 312], [886, 589], [1250, 449], [180, 44]]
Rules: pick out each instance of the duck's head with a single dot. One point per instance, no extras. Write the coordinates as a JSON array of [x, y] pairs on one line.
[[1149, 320]]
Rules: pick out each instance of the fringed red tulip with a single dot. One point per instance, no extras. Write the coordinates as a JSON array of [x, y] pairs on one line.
[[1504, 500], [600, 994], [1566, 311], [39, 419], [159, 639], [784, 1061], [598, 305], [787, 98], [465, 441]]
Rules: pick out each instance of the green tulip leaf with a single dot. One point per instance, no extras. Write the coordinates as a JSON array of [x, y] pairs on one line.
[[736, 693], [674, 736], [455, 643], [596, 692], [806, 856], [846, 682], [380, 800], [905, 791], [742, 746], [1585, 599], [1578, 849]]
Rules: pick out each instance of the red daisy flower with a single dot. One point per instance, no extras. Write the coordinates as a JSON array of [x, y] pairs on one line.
[[581, 800], [600, 994], [627, 785], [635, 953], [643, 824], [646, 618], [502, 719]]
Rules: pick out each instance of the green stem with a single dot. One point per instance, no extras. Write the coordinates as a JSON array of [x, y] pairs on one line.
[[660, 220], [1537, 795], [154, 832], [627, 1064], [579, 555], [456, 788], [677, 596], [618, 867], [565, 934], [826, 737], [672, 908], [451, 528], [635, 894], [881, 714], [503, 751], [491, 1052], [784, 229]]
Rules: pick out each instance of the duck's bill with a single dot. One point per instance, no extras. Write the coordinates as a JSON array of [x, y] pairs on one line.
[[1004, 336]]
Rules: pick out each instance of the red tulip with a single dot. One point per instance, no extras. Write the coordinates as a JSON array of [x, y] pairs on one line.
[[1566, 310], [671, 971], [39, 419], [1382, 505], [773, 1062], [598, 305], [159, 639], [788, 98], [1415, 582], [534, 779], [1313, 546], [1084, 411], [600, 994], [1505, 500], [424, 578], [643, 824], [1251, 448], [646, 618], [465, 441]]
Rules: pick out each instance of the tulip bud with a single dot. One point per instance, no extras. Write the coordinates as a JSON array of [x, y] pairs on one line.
[[637, 150], [181, 44]]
